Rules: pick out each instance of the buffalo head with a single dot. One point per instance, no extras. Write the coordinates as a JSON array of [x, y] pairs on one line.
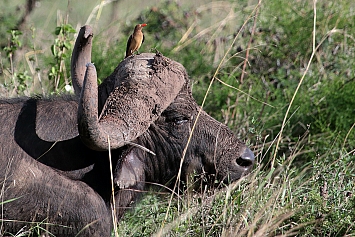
[[147, 102]]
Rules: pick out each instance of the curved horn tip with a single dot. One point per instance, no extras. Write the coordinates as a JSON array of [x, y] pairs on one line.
[[88, 31]]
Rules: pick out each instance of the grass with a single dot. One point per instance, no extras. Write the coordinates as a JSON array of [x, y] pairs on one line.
[[278, 73]]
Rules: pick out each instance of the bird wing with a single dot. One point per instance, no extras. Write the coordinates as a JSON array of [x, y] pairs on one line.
[[128, 51], [143, 39]]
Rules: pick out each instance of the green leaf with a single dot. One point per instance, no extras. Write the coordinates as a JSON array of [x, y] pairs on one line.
[[67, 45], [68, 28], [54, 51], [58, 30]]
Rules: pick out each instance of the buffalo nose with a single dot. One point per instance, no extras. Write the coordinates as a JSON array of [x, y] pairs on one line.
[[247, 159]]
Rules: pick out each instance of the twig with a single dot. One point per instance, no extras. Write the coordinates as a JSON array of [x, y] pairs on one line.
[[252, 97]]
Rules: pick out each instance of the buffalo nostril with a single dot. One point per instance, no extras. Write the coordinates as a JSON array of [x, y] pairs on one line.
[[246, 159]]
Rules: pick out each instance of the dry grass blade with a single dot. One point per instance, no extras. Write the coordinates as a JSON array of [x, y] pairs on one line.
[[314, 50], [113, 204], [235, 88]]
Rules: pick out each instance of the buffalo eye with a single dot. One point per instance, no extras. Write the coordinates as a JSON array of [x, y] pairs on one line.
[[180, 120]]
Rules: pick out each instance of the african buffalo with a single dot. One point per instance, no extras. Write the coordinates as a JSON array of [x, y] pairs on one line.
[[55, 151]]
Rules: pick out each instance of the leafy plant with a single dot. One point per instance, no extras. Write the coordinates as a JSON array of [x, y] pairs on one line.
[[61, 51], [14, 43]]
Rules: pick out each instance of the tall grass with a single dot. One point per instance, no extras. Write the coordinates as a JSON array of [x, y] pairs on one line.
[[289, 193]]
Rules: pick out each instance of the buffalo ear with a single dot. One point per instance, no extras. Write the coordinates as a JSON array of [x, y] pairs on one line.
[[56, 123]]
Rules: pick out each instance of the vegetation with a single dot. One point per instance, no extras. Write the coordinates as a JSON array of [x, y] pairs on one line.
[[269, 63]]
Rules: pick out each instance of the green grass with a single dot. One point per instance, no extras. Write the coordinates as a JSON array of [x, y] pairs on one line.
[[303, 183]]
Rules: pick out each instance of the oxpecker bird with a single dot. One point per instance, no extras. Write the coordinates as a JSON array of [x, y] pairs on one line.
[[135, 40]]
